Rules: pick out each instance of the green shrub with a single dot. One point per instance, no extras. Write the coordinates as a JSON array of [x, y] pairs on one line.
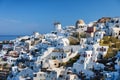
[[113, 43], [73, 40]]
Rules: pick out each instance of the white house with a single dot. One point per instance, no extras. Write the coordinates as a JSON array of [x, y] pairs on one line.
[[45, 75], [7, 46], [14, 70], [111, 76], [83, 40], [84, 63], [27, 72], [100, 26], [36, 35], [102, 50], [11, 60], [98, 35], [115, 32], [22, 75], [54, 63], [62, 42], [50, 37], [72, 76], [40, 76], [57, 55]]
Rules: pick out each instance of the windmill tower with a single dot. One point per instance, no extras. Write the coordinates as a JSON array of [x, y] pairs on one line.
[[57, 26]]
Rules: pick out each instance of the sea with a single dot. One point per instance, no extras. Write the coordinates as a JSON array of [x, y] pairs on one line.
[[9, 37]]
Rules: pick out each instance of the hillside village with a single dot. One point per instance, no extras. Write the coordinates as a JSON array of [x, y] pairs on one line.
[[80, 52]]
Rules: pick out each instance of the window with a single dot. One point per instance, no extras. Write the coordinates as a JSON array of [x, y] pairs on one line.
[[96, 35], [44, 75], [75, 77], [88, 55], [104, 35], [112, 21], [117, 21], [59, 56], [97, 49], [119, 32], [82, 40], [104, 49], [91, 55], [84, 55], [35, 75], [92, 48], [117, 26], [40, 74], [82, 61]]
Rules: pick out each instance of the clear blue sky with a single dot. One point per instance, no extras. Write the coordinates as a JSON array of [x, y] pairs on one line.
[[26, 16]]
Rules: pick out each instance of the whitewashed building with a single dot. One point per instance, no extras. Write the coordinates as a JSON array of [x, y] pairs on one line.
[[98, 35], [46, 75], [115, 32]]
